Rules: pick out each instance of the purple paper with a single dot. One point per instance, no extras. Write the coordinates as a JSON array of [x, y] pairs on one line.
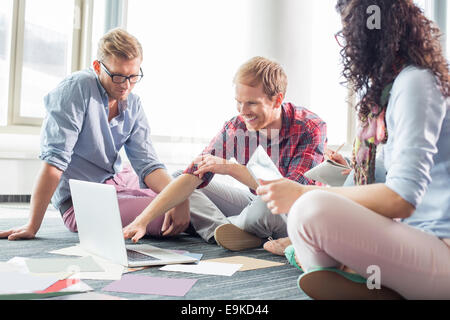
[[129, 283]]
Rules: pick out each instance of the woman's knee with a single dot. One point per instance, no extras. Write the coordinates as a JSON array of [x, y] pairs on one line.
[[311, 209]]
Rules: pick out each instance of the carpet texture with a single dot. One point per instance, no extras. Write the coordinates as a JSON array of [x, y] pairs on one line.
[[275, 283]]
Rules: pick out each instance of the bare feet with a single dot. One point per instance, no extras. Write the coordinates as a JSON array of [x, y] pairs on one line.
[[277, 246]]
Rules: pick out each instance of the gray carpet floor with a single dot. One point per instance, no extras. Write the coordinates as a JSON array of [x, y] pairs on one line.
[[275, 283]]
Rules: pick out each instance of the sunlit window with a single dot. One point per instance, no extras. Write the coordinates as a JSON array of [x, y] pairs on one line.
[[47, 51], [192, 50], [98, 26], [329, 98], [5, 49]]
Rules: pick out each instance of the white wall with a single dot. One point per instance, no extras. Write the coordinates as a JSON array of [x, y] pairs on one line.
[[282, 31], [19, 163]]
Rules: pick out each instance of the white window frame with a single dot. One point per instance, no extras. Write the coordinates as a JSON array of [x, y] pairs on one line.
[[81, 42]]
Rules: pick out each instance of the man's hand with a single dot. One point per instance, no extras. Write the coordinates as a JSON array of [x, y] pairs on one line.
[[209, 163], [176, 220], [20, 233], [135, 230]]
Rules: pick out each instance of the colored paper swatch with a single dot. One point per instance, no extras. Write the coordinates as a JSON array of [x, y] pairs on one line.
[[151, 285]]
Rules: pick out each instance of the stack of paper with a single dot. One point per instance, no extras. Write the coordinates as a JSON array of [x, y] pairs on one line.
[[111, 271], [17, 282]]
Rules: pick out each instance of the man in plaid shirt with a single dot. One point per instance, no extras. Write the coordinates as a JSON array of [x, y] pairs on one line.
[[237, 219]]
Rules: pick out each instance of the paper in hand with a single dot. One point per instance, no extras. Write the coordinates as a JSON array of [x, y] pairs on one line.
[[262, 167], [328, 172]]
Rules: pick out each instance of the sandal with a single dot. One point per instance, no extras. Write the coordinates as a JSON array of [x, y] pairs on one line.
[[335, 284], [289, 252]]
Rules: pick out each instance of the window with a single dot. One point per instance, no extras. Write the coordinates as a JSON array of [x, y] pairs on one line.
[[41, 42], [98, 27], [190, 59], [6, 10], [191, 51], [46, 55], [329, 98]]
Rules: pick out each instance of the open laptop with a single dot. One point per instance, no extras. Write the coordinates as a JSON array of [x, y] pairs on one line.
[[100, 229]]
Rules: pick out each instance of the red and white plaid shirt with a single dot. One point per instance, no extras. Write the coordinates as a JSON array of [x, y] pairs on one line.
[[301, 144]]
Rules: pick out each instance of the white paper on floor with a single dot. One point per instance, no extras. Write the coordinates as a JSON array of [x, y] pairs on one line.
[[211, 268]]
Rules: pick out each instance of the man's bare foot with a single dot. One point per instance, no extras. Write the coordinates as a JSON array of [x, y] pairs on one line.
[[277, 246]]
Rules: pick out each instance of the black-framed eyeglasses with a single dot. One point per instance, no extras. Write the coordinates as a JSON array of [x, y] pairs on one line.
[[118, 78], [340, 39]]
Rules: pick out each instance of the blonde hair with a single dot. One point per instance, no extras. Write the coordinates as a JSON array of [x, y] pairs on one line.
[[120, 44], [262, 70]]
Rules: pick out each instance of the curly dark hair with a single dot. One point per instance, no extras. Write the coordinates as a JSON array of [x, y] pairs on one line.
[[372, 57]]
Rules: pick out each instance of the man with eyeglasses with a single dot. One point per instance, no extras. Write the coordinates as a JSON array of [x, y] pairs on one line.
[[90, 116]]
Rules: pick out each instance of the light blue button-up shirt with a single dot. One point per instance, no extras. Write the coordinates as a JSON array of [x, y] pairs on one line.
[[415, 161], [77, 138]]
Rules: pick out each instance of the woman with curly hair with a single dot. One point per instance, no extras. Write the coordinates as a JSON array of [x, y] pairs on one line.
[[388, 235]]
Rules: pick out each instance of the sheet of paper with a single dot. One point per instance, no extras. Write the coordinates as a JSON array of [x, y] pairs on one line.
[[60, 285], [129, 283], [197, 256], [248, 263], [328, 172], [20, 264], [8, 267], [112, 271], [58, 289], [78, 286], [68, 285], [87, 296], [71, 251], [212, 268], [18, 282], [261, 166], [69, 264]]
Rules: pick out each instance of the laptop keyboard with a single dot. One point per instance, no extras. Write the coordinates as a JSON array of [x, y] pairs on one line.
[[137, 256]]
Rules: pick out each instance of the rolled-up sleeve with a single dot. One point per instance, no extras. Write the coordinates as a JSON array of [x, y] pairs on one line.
[[65, 108], [414, 120], [139, 148]]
